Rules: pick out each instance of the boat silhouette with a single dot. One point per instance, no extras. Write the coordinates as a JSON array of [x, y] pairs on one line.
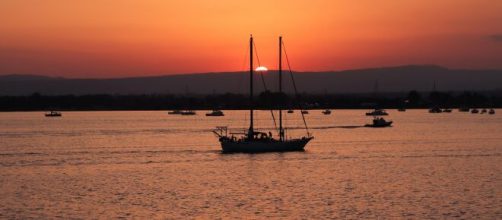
[[379, 122], [215, 112], [377, 112], [254, 141], [53, 114]]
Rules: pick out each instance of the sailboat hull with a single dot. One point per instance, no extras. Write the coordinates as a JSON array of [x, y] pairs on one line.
[[229, 146]]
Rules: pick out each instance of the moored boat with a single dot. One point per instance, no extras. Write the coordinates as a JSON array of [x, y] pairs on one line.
[[187, 112], [377, 112], [327, 112], [53, 114], [215, 112], [174, 112], [435, 110]]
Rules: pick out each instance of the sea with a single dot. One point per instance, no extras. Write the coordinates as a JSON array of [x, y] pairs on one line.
[[148, 164]]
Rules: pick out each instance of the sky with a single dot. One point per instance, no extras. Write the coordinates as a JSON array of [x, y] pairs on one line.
[[122, 38]]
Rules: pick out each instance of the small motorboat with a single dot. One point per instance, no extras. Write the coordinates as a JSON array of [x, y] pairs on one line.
[[327, 112], [379, 122], [447, 110], [377, 112], [401, 109], [492, 111], [215, 113], [474, 111], [53, 114], [174, 112], [435, 110], [484, 111], [290, 111], [305, 112], [187, 112]]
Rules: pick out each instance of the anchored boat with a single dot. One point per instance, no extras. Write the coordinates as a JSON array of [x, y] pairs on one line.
[[377, 112], [215, 112], [53, 114]]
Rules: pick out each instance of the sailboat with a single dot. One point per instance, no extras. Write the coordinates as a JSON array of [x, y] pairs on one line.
[[254, 141], [376, 111]]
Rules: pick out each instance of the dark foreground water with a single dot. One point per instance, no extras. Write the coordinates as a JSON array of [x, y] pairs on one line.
[[150, 164]]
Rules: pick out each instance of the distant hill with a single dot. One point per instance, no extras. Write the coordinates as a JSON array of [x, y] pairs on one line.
[[390, 79]]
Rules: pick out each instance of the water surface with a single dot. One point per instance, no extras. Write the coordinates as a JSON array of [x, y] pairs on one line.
[[143, 164]]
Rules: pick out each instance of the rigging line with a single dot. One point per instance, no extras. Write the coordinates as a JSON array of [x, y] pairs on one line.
[[242, 79], [264, 84], [294, 86], [243, 68]]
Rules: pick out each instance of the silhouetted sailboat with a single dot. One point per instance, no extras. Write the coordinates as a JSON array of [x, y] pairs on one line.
[[376, 111], [254, 141]]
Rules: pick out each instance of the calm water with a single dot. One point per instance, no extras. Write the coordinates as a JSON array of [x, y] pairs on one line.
[[149, 164]]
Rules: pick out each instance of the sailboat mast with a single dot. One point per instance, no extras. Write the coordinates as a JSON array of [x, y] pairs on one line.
[[281, 130], [251, 129]]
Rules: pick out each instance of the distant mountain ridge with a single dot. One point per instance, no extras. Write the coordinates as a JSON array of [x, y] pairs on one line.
[[389, 79]]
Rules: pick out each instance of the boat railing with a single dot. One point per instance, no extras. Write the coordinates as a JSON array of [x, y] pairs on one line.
[[221, 131]]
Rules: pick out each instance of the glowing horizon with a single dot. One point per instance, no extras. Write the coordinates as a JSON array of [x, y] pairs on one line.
[[112, 38]]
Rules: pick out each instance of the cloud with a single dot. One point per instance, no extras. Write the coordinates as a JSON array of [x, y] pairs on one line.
[[496, 37]]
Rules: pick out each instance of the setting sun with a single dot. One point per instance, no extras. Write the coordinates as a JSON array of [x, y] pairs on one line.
[[261, 69]]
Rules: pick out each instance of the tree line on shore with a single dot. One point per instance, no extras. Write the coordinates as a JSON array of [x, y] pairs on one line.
[[264, 100]]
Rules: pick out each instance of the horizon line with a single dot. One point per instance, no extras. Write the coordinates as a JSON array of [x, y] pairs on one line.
[[240, 71]]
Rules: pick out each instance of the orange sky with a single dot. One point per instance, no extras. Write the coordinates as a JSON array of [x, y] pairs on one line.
[[115, 38]]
